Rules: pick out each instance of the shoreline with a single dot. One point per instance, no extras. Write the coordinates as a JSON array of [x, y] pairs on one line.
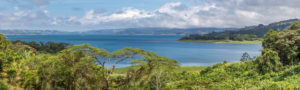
[[223, 41]]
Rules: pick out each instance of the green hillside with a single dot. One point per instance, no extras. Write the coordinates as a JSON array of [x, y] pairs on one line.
[[250, 33]]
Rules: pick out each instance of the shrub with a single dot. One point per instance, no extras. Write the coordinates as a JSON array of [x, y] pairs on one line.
[[3, 85]]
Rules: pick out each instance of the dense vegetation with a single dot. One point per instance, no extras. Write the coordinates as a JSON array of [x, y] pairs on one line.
[[213, 36], [77, 67], [84, 67], [48, 47], [248, 33]]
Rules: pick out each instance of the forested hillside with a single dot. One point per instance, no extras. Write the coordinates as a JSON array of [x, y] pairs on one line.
[[248, 33], [82, 67]]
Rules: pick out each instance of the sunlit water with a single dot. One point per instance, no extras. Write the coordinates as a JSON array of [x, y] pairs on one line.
[[187, 53]]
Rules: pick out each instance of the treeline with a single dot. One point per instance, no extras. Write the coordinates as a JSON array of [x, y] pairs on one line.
[[248, 33], [212, 36], [47, 47], [82, 67]]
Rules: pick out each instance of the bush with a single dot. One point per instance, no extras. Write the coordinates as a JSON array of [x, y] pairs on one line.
[[295, 26], [269, 61], [3, 85]]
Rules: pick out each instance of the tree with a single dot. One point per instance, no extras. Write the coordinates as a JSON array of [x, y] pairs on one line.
[[285, 43], [245, 57], [48, 47], [79, 69], [6, 54], [269, 61], [71, 69], [145, 61], [162, 70], [270, 38]]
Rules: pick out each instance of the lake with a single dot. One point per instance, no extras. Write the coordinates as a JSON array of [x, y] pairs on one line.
[[187, 53]]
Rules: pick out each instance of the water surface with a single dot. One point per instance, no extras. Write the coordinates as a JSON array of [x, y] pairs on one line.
[[187, 53]]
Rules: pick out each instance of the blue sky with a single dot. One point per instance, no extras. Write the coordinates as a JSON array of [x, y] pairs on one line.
[[79, 15], [69, 7], [78, 7]]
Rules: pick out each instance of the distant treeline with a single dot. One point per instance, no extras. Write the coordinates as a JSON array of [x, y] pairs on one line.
[[247, 33], [44, 47], [213, 36]]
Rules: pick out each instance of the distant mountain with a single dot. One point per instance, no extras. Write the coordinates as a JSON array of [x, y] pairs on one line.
[[246, 33], [126, 31], [104, 31], [259, 30], [157, 31], [33, 32], [171, 31]]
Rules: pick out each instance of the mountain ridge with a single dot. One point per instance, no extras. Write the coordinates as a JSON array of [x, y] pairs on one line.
[[126, 31], [247, 33], [257, 29]]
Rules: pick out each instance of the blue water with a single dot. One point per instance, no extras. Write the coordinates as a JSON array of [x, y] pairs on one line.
[[187, 53]]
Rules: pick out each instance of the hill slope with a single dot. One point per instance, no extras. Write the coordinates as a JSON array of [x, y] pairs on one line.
[[247, 33]]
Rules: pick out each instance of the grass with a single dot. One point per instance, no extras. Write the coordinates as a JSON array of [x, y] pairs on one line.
[[123, 70], [224, 41]]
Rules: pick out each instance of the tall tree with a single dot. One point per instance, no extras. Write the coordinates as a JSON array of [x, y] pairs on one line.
[[245, 57], [269, 61]]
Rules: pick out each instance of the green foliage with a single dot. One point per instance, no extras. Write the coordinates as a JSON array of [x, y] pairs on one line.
[[285, 43], [3, 51], [245, 57], [270, 38], [212, 36], [295, 26], [7, 55], [269, 61], [3, 85], [68, 70], [11, 74], [48, 47], [85, 67], [4, 43]]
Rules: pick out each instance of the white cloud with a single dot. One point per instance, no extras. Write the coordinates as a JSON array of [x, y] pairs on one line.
[[129, 14], [171, 15], [126, 14], [89, 18], [247, 14], [169, 7], [25, 20], [203, 13], [31, 2], [19, 14]]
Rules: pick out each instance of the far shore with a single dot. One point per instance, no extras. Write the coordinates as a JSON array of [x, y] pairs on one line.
[[224, 41]]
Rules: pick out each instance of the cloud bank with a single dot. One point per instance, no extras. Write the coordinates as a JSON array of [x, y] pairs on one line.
[[202, 13]]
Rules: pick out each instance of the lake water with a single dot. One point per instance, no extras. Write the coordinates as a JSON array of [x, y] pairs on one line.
[[187, 53]]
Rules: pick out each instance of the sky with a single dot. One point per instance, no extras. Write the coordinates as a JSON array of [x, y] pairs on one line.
[[81, 15]]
